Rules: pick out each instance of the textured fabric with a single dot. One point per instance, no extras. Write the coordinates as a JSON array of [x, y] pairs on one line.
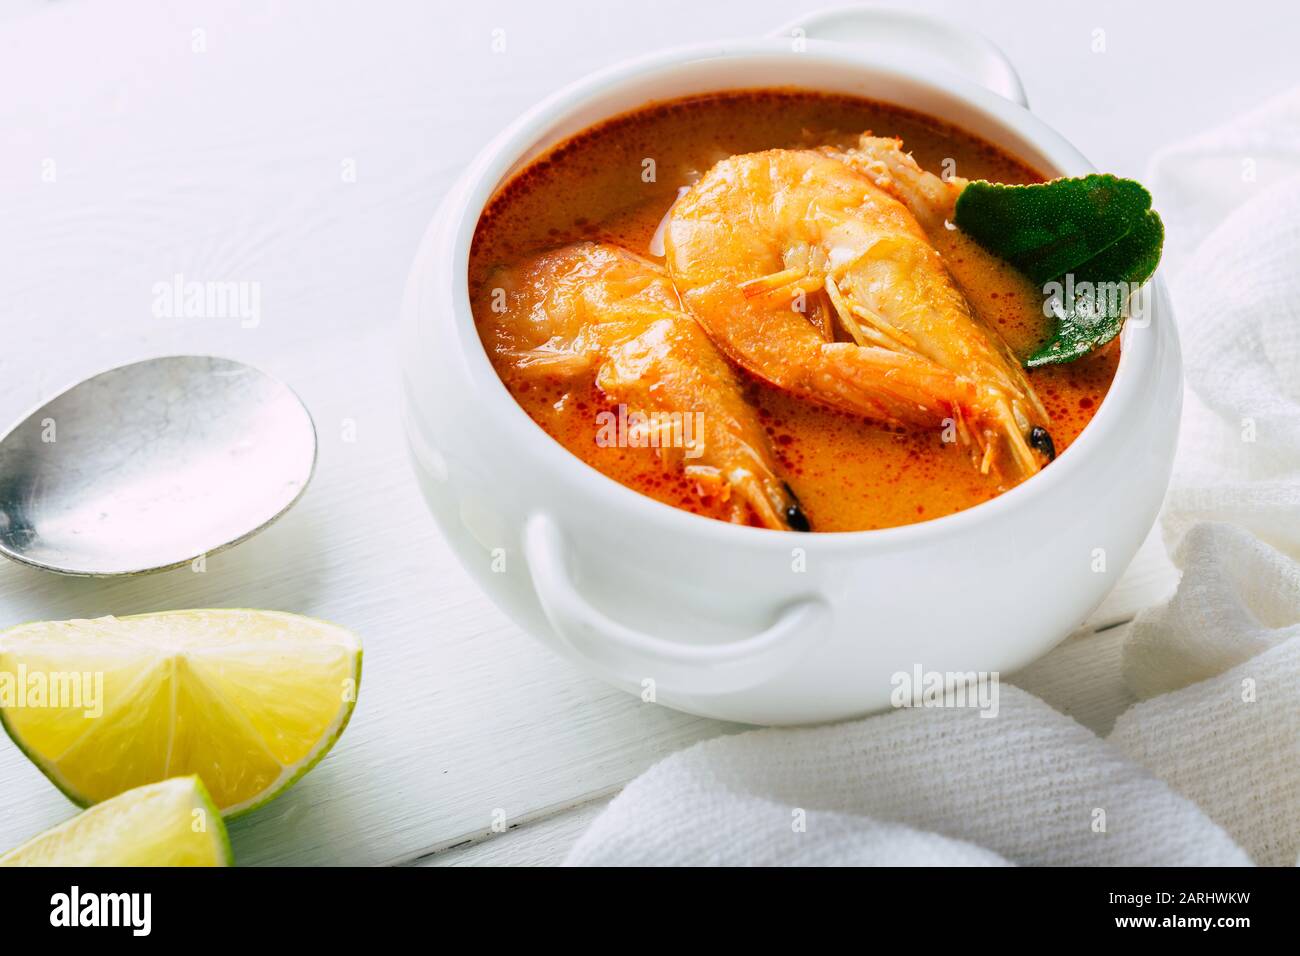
[[1172, 740]]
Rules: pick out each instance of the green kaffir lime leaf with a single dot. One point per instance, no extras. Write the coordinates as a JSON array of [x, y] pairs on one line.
[[1091, 242]]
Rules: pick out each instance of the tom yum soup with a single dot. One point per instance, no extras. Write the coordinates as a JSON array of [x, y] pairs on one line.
[[799, 311]]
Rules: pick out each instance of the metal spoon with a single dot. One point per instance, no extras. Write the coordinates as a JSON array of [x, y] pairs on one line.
[[151, 465]]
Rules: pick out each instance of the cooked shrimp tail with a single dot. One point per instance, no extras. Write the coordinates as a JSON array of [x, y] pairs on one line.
[[931, 199]]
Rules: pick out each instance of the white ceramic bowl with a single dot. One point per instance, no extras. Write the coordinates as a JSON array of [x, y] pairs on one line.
[[743, 623]]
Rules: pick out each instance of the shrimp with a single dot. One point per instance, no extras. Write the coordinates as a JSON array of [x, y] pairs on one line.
[[598, 310], [810, 276], [931, 199]]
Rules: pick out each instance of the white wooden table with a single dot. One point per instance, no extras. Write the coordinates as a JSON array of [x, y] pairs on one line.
[[303, 146]]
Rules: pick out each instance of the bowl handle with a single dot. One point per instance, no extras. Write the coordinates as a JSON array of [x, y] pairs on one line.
[[626, 655], [963, 51]]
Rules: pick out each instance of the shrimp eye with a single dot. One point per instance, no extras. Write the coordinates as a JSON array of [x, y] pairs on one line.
[[1040, 439], [796, 519], [794, 516]]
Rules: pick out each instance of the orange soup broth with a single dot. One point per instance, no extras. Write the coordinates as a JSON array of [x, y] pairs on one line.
[[850, 474]]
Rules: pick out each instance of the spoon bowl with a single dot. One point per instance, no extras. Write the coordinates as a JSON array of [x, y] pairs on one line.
[[151, 465]]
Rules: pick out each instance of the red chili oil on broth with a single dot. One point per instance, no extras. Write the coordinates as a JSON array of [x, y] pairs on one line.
[[614, 182]]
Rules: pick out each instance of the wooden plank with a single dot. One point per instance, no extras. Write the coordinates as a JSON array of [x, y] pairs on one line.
[[544, 841]]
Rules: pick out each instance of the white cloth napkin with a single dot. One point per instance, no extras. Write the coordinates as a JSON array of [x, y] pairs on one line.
[[1191, 749]]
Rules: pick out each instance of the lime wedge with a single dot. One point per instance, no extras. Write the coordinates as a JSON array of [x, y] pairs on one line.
[[172, 823], [247, 700]]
